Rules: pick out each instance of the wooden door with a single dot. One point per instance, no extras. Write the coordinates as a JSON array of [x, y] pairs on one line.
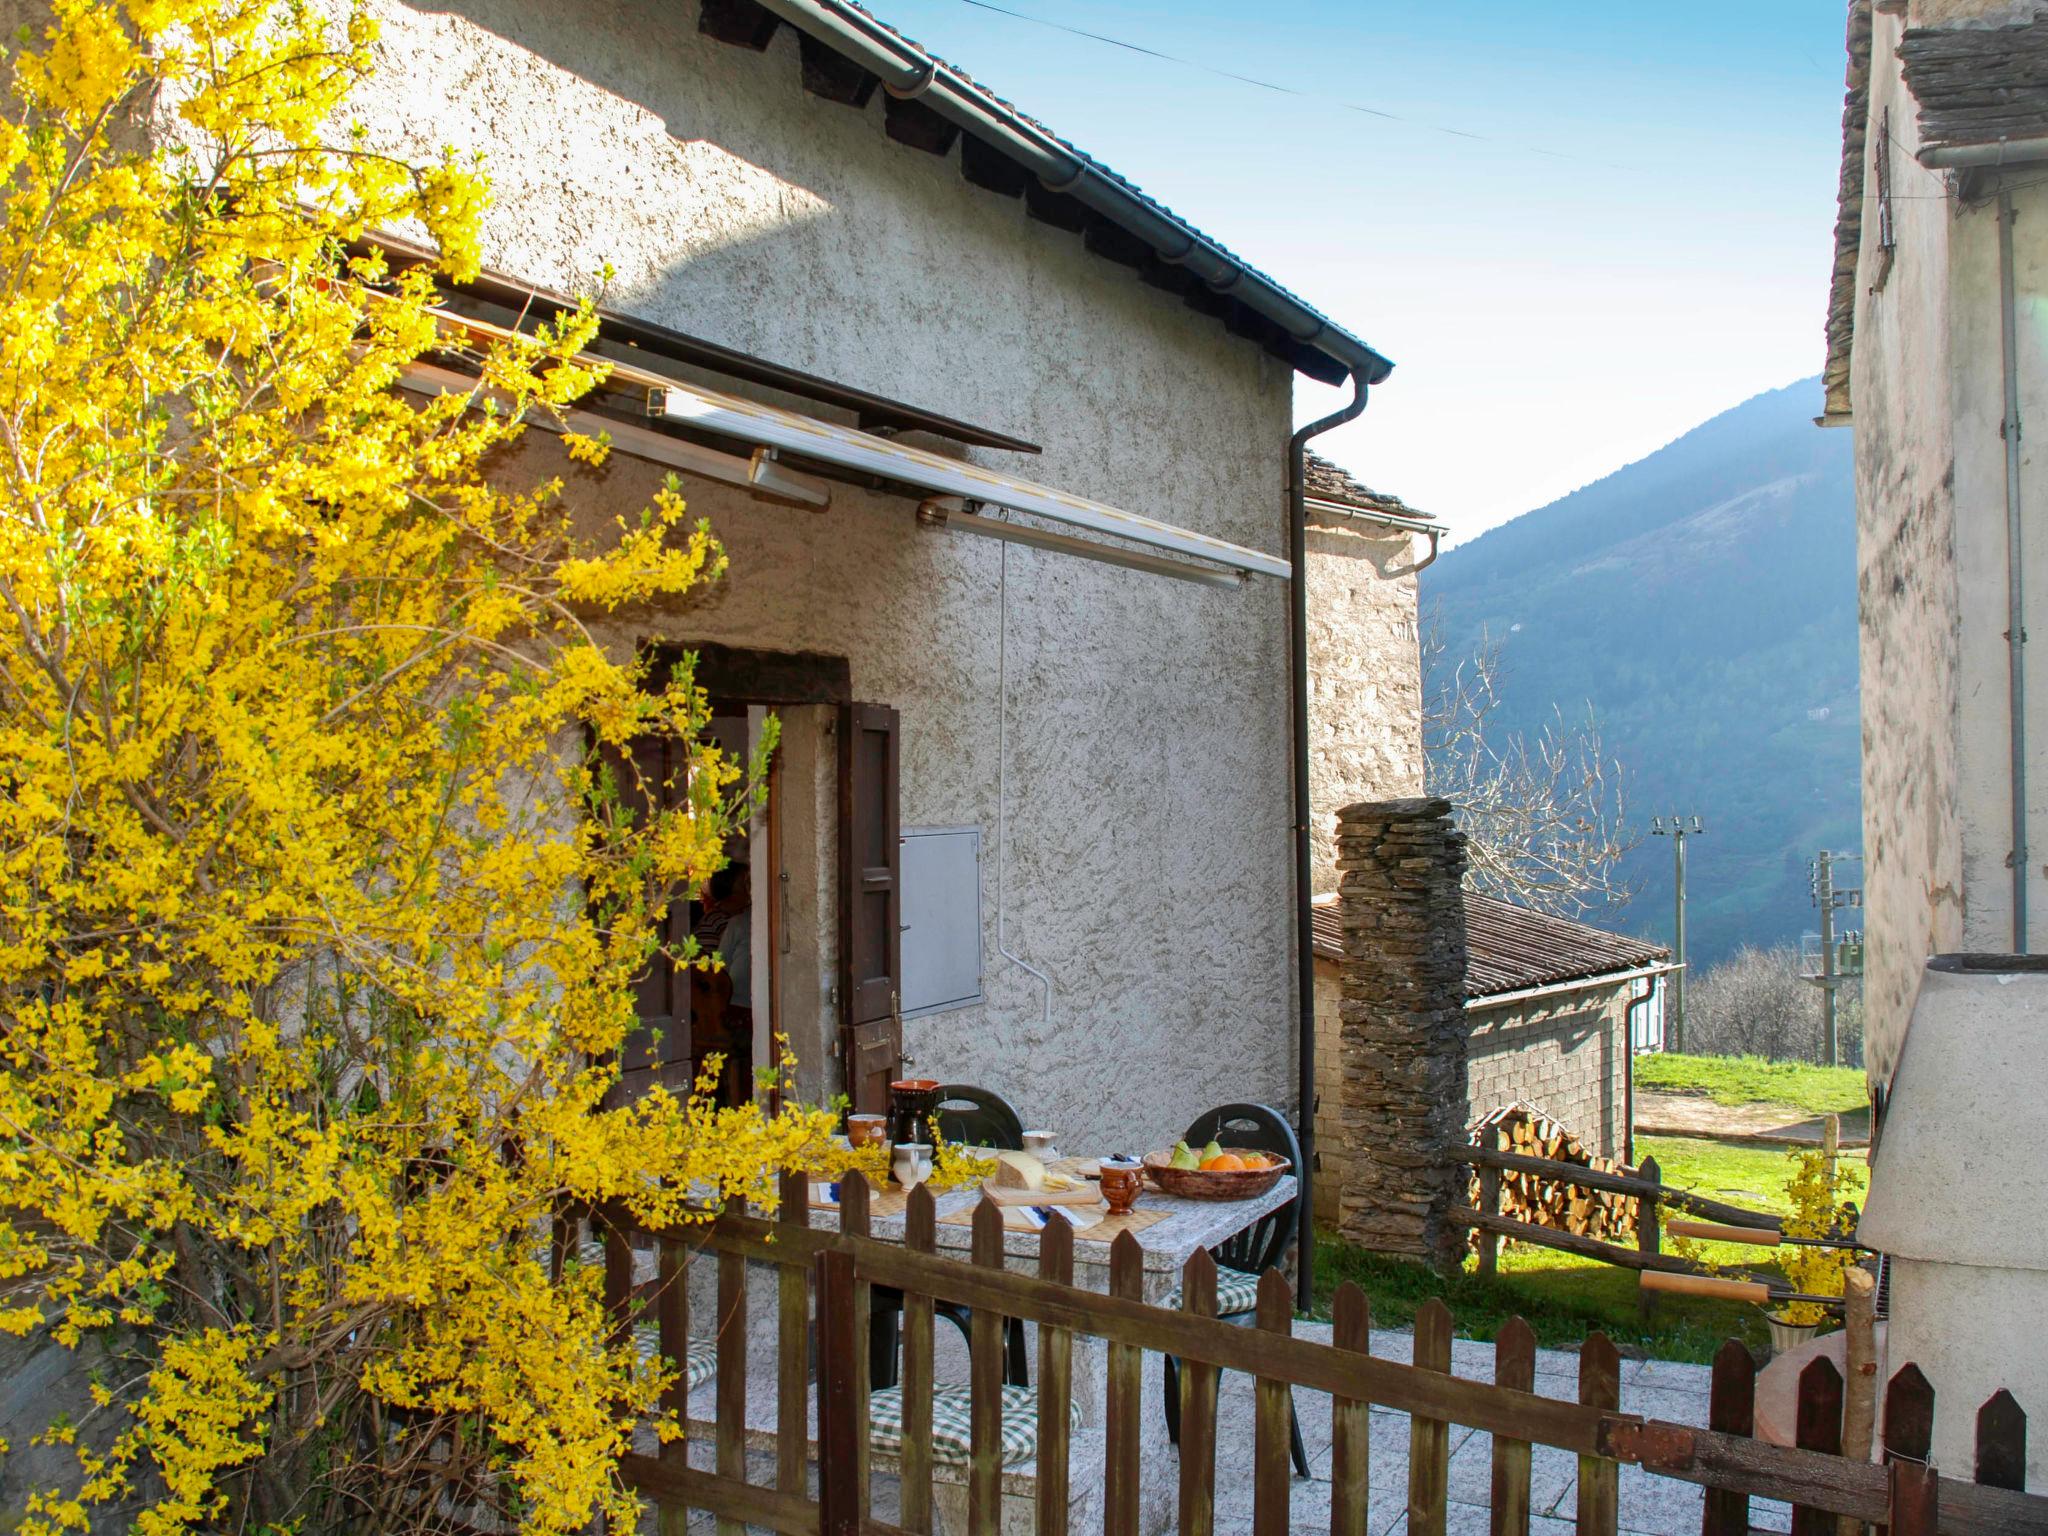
[[870, 902]]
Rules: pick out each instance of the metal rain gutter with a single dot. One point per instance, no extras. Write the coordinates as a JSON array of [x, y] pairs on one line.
[[908, 72], [1426, 526], [2016, 588], [1561, 988], [1304, 826], [1988, 155]]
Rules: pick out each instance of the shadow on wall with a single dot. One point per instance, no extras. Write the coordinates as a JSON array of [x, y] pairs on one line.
[[1563, 1065], [736, 205]]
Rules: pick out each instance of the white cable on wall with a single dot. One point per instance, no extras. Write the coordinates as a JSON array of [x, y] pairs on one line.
[[1003, 773]]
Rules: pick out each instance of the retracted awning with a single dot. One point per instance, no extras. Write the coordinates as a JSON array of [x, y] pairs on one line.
[[697, 409], [789, 432]]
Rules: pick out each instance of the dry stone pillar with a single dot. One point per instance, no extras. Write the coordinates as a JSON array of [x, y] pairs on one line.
[[1401, 868]]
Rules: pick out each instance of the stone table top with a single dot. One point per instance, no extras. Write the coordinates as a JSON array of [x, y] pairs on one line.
[[1167, 1244]]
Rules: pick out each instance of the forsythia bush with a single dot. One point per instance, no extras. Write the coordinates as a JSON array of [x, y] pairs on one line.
[[1817, 1188], [319, 904]]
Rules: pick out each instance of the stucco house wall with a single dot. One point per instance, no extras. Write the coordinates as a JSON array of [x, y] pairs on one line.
[[1930, 458], [1143, 846]]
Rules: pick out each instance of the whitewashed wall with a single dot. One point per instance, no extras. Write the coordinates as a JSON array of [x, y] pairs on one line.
[[1932, 568], [1908, 593]]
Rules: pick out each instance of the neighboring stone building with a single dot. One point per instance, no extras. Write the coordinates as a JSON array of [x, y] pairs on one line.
[[1364, 649], [1541, 1007], [1061, 784], [1936, 358]]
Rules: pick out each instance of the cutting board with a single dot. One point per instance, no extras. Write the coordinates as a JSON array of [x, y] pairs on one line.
[[1083, 1194]]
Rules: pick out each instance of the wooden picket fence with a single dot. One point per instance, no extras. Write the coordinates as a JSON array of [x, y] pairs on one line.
[[824, 1282]]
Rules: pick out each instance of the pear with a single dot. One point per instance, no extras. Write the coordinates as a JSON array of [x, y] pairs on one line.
[[1214, 1149], [1183, 1157]]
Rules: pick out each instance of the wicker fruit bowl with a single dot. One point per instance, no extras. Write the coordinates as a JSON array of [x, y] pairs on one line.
[[1215, 1184]]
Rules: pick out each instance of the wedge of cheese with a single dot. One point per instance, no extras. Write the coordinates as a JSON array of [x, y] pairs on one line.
[[1019, 1170]]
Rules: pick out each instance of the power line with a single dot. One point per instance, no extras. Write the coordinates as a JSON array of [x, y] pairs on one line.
[[1282, 89]]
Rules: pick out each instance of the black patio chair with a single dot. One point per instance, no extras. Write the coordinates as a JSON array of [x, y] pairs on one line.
[[975, 1117], [978, 1117], [1250, 1253]]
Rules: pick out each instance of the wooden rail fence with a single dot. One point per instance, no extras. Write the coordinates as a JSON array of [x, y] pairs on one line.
[[1645, 1187], [825, 1287]]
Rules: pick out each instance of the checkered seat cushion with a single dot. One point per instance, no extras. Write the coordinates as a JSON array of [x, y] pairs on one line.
[[700, 1360], [1236, 1291], [953, 1423]]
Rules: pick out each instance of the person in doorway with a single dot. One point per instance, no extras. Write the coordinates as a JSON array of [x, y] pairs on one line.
[[722, 1001]]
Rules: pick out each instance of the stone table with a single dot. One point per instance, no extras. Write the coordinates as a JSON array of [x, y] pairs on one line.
[[1167, 1245]]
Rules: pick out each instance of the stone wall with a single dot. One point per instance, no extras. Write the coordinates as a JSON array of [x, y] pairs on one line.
[[1365, 674], [1562, 1055], [1401, 1091]]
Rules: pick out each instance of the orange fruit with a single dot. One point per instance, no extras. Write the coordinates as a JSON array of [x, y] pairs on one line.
[[1224, 1162], [1256, 1160]]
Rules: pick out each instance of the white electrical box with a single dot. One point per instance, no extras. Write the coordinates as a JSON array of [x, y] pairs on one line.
[[941, 918]]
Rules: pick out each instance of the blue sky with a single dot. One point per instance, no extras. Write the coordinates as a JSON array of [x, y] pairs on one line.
[[1638, 238]]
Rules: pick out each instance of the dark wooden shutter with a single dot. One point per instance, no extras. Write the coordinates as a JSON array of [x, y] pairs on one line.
[[870, 902]]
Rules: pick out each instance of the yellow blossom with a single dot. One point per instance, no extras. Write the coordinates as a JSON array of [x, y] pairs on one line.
[[326, 875]]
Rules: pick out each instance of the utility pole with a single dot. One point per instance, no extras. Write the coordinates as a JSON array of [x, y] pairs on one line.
[[1678, 831], [1832, 974]]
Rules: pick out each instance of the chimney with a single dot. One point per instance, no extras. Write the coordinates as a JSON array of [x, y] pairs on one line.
[[1402, 1027]]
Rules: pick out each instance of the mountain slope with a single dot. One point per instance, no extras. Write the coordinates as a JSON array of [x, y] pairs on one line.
[[1704, 600]]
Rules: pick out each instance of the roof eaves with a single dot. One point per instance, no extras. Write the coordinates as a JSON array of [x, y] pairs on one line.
[[909, 71], [1841, 322]]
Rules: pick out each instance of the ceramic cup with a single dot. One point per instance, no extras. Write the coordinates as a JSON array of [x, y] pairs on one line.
[[866, 1130], [913, 1163], [1040, 1145], [1121, 1182]]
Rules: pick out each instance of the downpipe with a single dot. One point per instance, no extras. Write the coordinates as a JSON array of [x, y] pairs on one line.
[[1304, 823], [2016, 611]]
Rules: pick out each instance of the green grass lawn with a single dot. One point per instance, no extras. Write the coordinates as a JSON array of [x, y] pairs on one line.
[[1753, 1080], [1738, 1174], [1563, 1297]]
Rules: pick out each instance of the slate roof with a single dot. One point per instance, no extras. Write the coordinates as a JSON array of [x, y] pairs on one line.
[[1973, 81], [1841, 321], [1509, 948], [1978, 83], [1328, 482]]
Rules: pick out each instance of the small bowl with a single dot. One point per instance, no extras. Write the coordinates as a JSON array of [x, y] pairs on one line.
[[1215, 1183]]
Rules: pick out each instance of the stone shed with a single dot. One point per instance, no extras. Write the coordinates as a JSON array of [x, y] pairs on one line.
[[1458, 1004]]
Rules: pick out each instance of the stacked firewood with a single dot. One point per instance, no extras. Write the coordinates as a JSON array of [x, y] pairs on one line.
[[1548, 1202]]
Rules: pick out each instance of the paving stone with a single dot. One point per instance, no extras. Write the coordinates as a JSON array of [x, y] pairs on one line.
[[1658, 1506], [1472, 1520], [1550, 1472], [1676, 1375], [1658, 1403]]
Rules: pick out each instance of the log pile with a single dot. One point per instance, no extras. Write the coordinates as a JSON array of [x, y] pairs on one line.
[[1546, 1202]]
